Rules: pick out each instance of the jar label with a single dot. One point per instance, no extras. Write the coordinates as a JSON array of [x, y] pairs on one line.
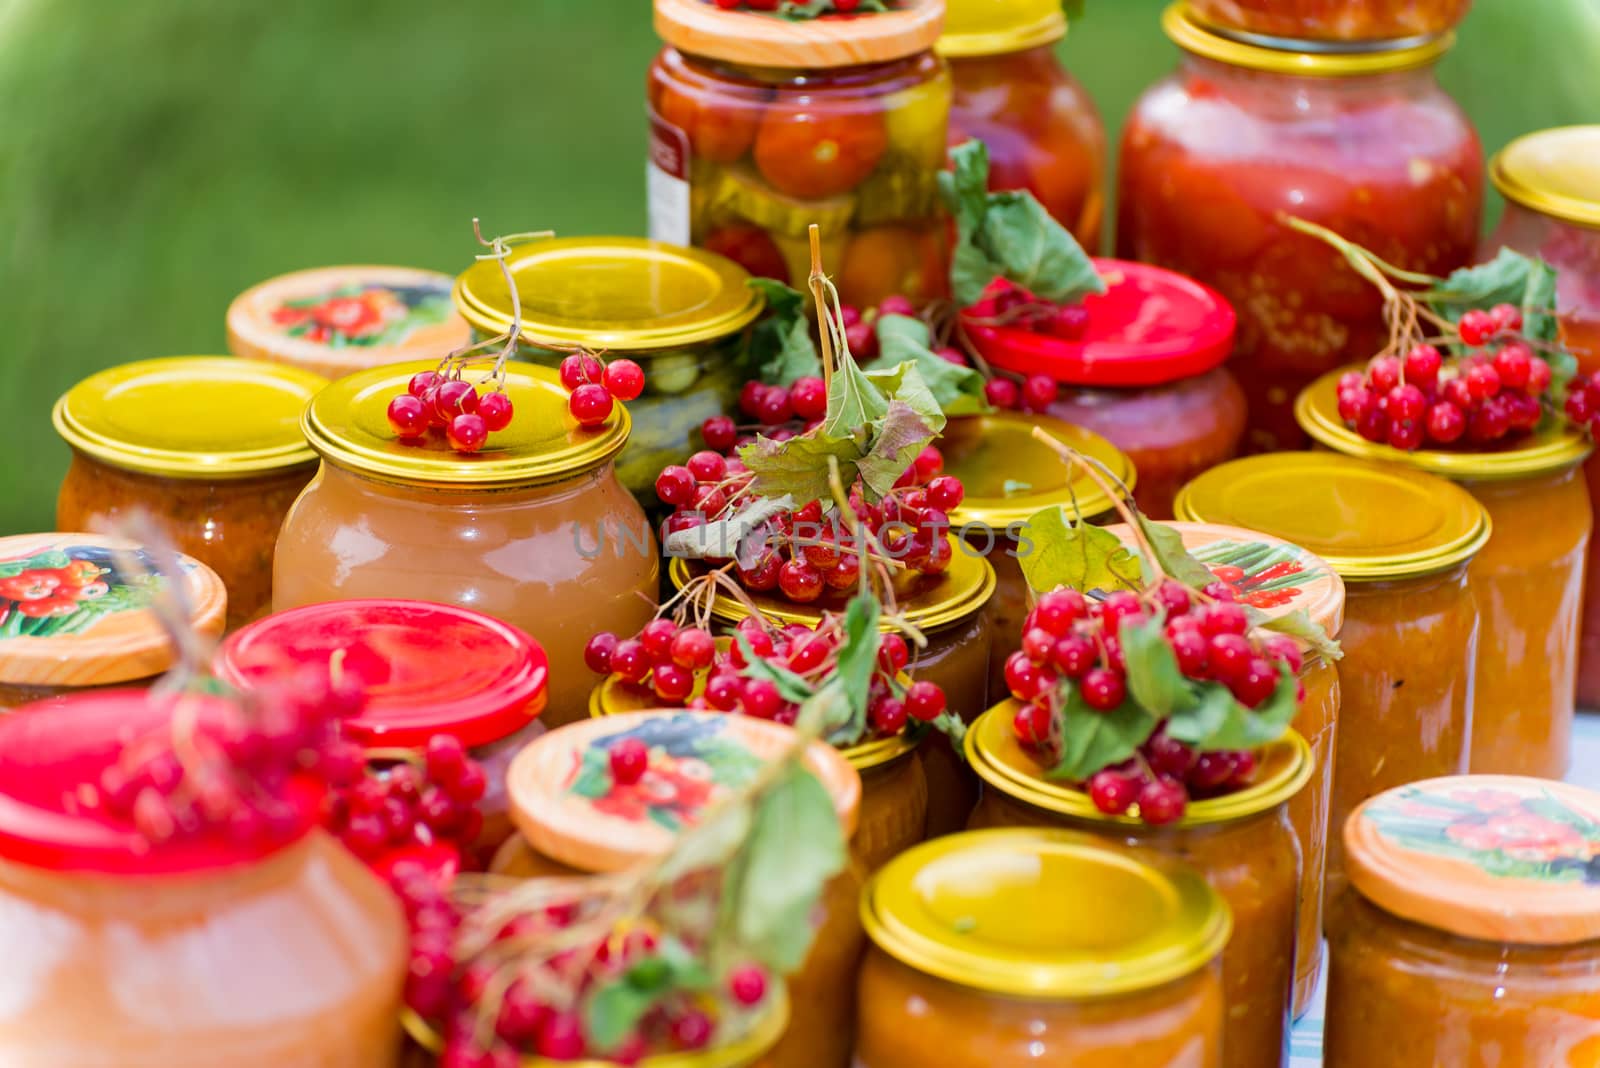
[[667, 182]]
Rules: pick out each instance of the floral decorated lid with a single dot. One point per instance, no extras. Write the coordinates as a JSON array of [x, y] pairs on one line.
[[567, 804], [998, 27], [425, 668], [1497, 858], [1008, 474], [767, 39], [335, 320], [71, 616]]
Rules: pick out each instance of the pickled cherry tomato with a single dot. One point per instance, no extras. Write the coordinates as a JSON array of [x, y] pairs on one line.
[[718, 131], [803, 151], [751, 248]]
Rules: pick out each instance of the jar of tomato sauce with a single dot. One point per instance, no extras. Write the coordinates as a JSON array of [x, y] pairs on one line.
[[1042, 129], [1471, 935], [1242, 843], [210, 448], [75, 614], [1362, 142], [761, 126], [535, 529], [334, 321], [1527, 578], [976, 963], [574, 820], [1373, 21], [681, 314], [1147, 374], [201, 951]]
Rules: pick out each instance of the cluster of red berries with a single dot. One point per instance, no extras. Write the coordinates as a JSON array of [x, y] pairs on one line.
[[861, 329], [438, 401], [374, 809], [595, 386], [1006, 304], [1423, 399], [1583, 401]]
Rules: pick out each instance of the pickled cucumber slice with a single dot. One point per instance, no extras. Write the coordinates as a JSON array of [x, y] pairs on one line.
[[899, 190], [742, 192]]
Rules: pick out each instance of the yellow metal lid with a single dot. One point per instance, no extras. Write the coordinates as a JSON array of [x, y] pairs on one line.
[[347, 423], [1366, 520], [191, 416], [1000, 761], [1553, 447], [760, 39], [995, 27], [1554, 172], [1193, 35], [1008, 474], [621, 294], [1043, 914]]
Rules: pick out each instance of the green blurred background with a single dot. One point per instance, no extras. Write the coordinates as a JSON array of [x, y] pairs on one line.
[[158, 157]]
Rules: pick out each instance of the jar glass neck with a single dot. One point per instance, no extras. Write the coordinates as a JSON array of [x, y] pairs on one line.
[[1266, 87], [351, 480]]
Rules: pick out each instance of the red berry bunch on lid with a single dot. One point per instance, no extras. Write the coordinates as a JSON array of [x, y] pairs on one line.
[[596, 384], [809, 10], [388, 800], [1009, 305]]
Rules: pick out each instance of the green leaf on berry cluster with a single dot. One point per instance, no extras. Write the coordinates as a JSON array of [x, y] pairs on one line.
[[1171, 555], [1503, 280], [858, 657], [1091, 739], [802, 10], [781, 347], [958, 390], [1154, 679], [790, 686], [1075, 555], [798, 468], [726, 538], [1299, 625], [1218, 721], [614, 1011]]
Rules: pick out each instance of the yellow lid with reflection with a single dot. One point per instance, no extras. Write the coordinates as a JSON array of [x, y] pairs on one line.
[[1554, 172], [1008, 474], [995, 27]]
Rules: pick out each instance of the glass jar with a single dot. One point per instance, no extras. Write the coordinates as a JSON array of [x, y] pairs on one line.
[[204, 951], [209, 447], [334, 321], [1364, 143], [760, 127], [1042, 129], [424, 669], [1527, 579], [974, 962], [535, 529], [1471, 935], [1334, 20], [1242, 843], [681, 314], [75, 615], [575, 820], [1147, 375]]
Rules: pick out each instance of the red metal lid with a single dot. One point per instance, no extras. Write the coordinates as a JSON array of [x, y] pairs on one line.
[[53, 751], [426, 668], [1149, 327]]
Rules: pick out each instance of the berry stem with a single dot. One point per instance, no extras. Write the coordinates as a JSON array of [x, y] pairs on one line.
[[1114, 490], [826, 324]]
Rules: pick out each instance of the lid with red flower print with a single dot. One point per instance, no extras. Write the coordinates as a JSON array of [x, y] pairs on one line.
[[1496, 858]]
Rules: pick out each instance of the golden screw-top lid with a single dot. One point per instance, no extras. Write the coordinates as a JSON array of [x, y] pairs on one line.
[[1193, 35], [1554, 446], [621, 294], [1043, 914], [758, 39], [1000, 761], [995, 27], [1008, 474], [191, 416], [1554, 172], [348, 424], [1366, 520]]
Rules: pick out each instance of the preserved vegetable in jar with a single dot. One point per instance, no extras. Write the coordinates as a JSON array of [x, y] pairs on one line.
[[761, 126], [974, 962], [1363, 143], [1471, 933], [1334, 20], [209, 447]]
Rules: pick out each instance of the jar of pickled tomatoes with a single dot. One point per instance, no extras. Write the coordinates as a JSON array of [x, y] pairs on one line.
[[334, 321], [1471, 934], [1364, 143], [1342, 21], [976, 963], [1243, 843], [1147, 374], [208, 447], [535, 529], [681, 314], [575, 819], [1042, 129], [1527, 578], [761, 126], [193, 952]]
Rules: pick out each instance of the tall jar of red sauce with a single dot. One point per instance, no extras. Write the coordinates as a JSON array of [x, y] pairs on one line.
[[1471, 932], [1147, 375], [195, 952], [1362, 142], [1042, 129], [534, 529], [1527, 579], [1334, 21], [761, 126]]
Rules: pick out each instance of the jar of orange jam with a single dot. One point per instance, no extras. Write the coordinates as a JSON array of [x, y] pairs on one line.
[[1042, 129], [334, 321], [209, 447], [1242, 843], [76, 613], [977, 962], [1402, 541], [201, 951], [1527, 578], [574, 819], [535, 529], [1334, 20], [1471, 934]]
